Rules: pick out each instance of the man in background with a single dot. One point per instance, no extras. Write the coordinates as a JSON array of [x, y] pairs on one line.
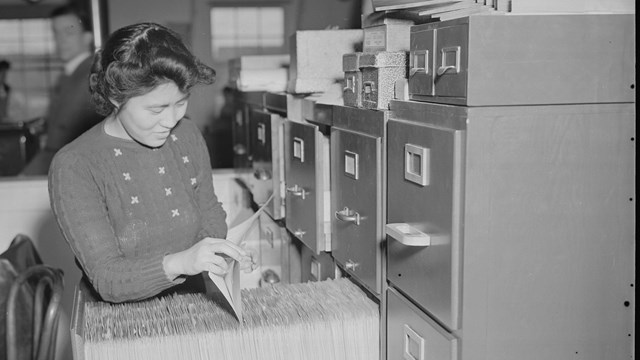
[[5, 89], [70, 111]]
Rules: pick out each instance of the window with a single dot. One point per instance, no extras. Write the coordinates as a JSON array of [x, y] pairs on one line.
[[237, 31], [29, 46]]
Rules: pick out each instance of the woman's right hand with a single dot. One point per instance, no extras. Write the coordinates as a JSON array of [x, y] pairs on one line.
[[209, 254]]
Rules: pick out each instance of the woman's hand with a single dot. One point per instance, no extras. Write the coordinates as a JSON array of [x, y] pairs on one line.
[[209, 254]]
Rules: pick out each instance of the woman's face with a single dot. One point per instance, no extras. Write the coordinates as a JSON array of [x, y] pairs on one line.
[[149, 118]]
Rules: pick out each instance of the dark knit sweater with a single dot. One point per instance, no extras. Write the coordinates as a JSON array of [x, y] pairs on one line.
[[122, 207]]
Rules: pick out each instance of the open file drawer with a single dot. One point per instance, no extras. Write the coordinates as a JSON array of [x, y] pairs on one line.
[[307, 184], [358, 193], [267, 144]]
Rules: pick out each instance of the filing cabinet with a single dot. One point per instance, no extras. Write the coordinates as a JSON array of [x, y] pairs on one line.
[[503, 222], [520, 59], [358, 193]]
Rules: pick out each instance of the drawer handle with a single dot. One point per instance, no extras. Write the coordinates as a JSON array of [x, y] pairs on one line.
[[413, 344], [239, 149], [297, 191], [444, 69], [348, 215], [350, 84], [446, 55], [261, 133], [419, 62], [262, 174], [351, 265], [408, 235]]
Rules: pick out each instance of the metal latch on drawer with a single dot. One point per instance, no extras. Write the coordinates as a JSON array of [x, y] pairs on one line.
[[348, 215], [409, 235], [296, 190]]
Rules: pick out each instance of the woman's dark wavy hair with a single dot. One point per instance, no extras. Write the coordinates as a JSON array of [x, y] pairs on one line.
[[137, 58]]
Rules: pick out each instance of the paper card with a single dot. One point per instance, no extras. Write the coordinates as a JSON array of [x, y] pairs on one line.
[[229, 284]]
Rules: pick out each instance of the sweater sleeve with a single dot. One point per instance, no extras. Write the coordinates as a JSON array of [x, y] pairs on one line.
[[81, 212], [213, 215]]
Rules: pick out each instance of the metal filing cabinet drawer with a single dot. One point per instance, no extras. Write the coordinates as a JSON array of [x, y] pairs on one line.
[[272, 256], [356, 181], [412, 335], [240, 135], [267, 132], [307, 185], [450, 70], [421, 59], [424, 184]]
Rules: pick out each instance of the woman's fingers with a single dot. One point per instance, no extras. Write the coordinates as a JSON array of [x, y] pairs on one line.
[[216, 269]]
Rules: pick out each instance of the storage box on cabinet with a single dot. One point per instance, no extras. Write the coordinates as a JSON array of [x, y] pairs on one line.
[[307, 184], [524, 59], [259, 72], [380, 71], [316, 58], [358, 193], [267, 144], [386, 37], [412, 335]]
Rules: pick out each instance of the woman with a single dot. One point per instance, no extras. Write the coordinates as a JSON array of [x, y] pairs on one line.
[[133, 196]]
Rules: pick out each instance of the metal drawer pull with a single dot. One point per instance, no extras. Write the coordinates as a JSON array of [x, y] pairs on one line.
[[350, 84], [299, 233], [262, 174], [444, 69], [297, 191], [419, 62], [368, 87], [348, 215], [408, 235], [455, 51], [261, 133], [239, 149], [413, 345], [351, 265]]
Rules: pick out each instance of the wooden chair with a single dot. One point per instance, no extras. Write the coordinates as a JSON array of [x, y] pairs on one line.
[[46, 296]]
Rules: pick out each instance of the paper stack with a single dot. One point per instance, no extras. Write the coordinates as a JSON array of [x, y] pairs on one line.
[[331, 319], [442, 9]]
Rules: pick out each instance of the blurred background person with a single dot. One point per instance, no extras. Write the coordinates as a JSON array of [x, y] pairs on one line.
[[5, 89], [70, 111]]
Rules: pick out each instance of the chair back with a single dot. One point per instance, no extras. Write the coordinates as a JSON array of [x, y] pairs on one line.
[[46, 295]]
